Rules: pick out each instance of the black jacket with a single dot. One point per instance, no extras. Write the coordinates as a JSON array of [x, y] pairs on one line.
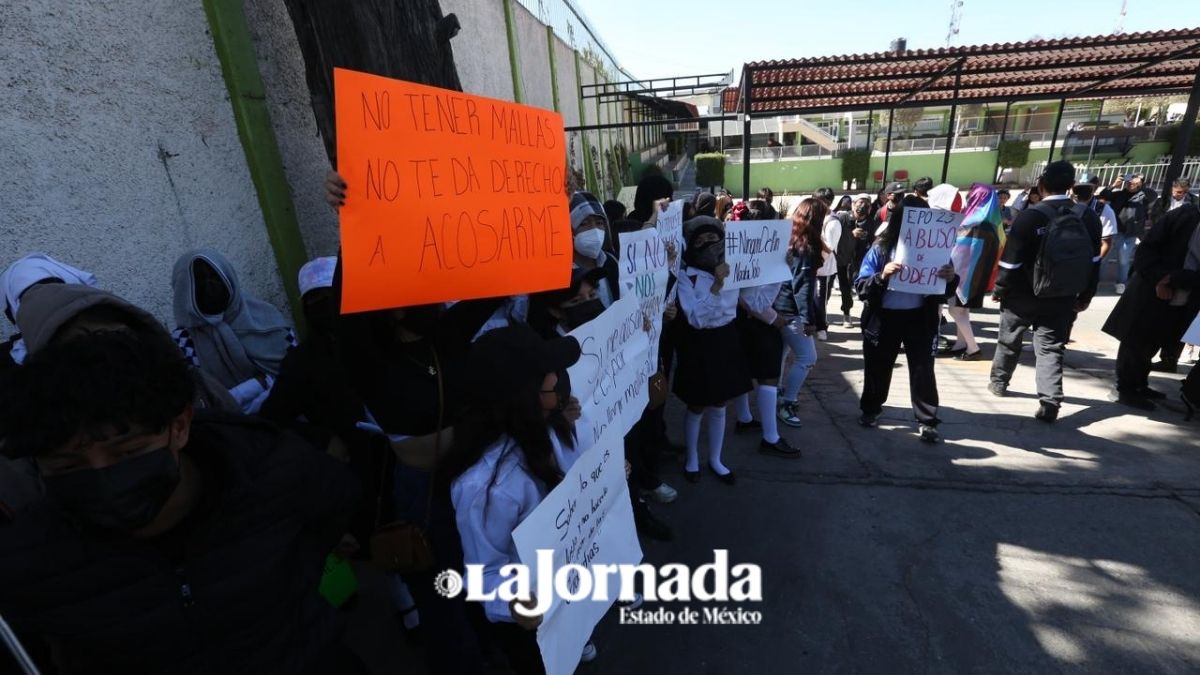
[[1015, 281], [1161, 254], [232, 589]]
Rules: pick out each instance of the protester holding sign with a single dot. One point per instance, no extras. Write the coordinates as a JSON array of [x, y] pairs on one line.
[[504, 460], [590, 228], [797, 302], [893, 319], [712, 369]]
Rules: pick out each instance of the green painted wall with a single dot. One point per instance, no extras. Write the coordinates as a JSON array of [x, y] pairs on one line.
[[808, 175], [1148, 153]]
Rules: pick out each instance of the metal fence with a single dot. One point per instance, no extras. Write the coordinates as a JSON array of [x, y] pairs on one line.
[[1110, 171]]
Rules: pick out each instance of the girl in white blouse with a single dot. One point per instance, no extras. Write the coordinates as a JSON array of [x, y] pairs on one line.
[[712, 368]]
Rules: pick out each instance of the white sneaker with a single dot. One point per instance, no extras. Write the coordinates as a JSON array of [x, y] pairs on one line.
[[1119, 289], [847, 321], [589, 652], [822, 335], [663, 494]]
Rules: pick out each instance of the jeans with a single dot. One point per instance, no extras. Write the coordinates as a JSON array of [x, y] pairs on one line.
[[1124, 247], [805, 349]]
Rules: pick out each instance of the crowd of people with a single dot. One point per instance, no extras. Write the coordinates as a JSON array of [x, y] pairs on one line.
[[171, 500]]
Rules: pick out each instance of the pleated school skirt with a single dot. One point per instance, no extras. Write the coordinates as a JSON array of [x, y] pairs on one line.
[[712, 366]]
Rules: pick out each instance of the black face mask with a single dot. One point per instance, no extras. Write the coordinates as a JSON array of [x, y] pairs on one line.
[[126, 496], [577, 315], [320, 316], [706, 257]]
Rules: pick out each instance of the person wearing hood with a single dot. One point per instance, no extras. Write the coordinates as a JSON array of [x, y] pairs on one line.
[[712, 369], [233, 336], [706, 204], [169, 539], [590, 228], [23, 274], [651, 189], [894, 319]]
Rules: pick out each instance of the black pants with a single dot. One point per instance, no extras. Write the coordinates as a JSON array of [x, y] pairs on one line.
[[845, 275], [1134, 355], [916, 331], [824, 290], [1051, 323], [643, 447], [520, 647]]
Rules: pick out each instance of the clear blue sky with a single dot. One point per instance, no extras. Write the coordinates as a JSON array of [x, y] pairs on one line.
[[656, 38]]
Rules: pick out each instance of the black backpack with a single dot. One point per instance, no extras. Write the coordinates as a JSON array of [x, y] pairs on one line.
[[1066, 257]]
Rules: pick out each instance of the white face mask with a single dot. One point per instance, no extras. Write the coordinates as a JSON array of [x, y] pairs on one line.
[[589, 242]]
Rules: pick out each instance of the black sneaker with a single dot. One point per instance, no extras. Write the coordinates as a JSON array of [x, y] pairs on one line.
[[1152, 394], [1133, 400], [780, 448], [752, 425], [998, 389], [976, 355], [929, 434], [1046, 412], [869, 420]]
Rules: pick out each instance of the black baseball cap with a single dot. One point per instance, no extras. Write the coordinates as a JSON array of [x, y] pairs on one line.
[[896, 187], [505, 360]]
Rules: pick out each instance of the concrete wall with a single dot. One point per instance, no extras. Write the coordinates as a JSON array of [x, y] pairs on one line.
[[533, 53], [289, 100], [481, 47], [120, 148]]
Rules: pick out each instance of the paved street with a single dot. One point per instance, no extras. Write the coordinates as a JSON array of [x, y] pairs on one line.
[[1012, 547]]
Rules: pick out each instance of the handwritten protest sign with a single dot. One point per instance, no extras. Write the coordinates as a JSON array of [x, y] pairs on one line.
[[927, 237], [610, 378], [756, 251], [450, 196], [670, 228], [644, 265], [587, 520]]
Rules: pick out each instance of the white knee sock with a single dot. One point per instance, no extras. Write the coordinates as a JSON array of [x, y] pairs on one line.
[[691, 436], [715, 424], [768, 399], [741, 406], [962, 320]]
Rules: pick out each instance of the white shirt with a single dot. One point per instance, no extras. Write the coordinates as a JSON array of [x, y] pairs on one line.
[[760, 301], [1176, 204], [1108, 223], [831, 233], [699, 305], [490, 500]]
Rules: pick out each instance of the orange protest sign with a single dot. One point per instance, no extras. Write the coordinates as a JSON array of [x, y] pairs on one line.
[[449, 196]]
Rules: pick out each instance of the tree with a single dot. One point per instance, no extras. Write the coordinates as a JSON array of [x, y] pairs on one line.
[[710, 169], [905, 119], [404, 40]]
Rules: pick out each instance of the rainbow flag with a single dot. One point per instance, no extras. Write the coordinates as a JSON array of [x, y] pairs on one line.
[[980, 243]]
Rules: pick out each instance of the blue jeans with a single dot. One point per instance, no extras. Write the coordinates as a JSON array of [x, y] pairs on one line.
[[805, 349], [1124, 246]]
